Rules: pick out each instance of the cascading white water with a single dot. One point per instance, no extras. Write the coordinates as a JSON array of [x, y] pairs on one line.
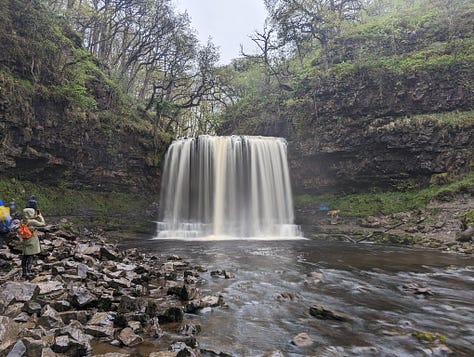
[[227, 187]]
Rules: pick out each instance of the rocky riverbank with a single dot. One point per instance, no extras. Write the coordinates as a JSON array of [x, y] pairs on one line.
[[90, 298], [442, 225]]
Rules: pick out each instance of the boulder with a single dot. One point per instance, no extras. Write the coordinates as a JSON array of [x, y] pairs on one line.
[[129, 338], [80, 297], [16, 291]]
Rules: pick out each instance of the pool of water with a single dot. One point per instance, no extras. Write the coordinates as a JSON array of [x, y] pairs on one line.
[[275, 284]]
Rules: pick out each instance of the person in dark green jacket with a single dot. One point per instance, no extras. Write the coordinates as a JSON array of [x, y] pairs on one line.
[[31, 246]]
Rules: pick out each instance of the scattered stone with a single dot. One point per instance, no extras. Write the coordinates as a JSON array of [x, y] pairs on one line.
[[302, 340], [416, 289], [324, 313], [18, 350], [88, 291], [129, 338], [287, 296]]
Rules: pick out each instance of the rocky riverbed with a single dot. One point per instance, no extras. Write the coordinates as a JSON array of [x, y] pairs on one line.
[[90, 298]]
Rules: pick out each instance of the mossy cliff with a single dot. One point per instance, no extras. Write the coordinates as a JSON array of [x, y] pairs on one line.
[[395, 107], [63, 121]]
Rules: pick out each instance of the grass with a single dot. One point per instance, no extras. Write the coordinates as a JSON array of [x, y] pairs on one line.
[[384, 203], [106, 210]]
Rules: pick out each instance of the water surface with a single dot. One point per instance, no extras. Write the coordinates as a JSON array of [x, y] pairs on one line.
[[270, 296]]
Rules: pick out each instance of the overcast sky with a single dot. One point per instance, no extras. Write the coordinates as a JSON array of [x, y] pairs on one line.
[[227, 22]]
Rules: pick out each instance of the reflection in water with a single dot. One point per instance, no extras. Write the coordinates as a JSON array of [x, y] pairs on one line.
[[270, 296]]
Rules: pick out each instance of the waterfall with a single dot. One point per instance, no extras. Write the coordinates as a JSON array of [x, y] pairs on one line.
[[227, 187]]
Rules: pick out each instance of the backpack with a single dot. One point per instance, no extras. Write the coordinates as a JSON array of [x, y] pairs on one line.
[[5, 219], [24, 232]]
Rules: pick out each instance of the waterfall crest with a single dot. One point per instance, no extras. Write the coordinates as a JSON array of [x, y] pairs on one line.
[[227, 187]]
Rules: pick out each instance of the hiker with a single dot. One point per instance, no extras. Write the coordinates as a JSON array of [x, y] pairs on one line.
[[13, 213], [32, 203], [31, 246], [5, 222]]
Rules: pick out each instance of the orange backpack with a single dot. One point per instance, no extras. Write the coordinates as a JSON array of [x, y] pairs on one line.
[[24, 232]]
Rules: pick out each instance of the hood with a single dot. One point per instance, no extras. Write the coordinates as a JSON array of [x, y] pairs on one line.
[[29, 213]]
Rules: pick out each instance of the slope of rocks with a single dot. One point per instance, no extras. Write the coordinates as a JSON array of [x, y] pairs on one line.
[[90, 298]]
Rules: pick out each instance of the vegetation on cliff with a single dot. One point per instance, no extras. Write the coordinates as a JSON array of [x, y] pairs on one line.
[[369, 94]]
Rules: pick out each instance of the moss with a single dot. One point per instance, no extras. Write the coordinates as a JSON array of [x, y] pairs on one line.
[[429, 337], [375, 203], [404, 239], [108, 210], [467, 218]]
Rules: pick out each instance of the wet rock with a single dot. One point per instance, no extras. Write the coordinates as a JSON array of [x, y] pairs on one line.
[[69, 316], [61, 305], [99, 331], [189, 329], [57, 270], [80, 297], [9, 331], [153, 328], [82, 270], [185, 292], [109, 253], [416, 289], [17, 291], [34, 347], [32, 307], [466, 235], [129, 338], [287, 296], [314, 278], [302, 340], [47, 352], [182, 350], [324, 313], [172, 314], [218, 273], [364, 351], [48, 287], [18, 350], [50, 318], [85, 293], [22, 317], [61, 344], [78, 341]]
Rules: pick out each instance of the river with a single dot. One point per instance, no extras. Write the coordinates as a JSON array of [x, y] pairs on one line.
[[275, 284]]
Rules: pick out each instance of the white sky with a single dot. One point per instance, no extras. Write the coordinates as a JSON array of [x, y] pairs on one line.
[[227, 22]]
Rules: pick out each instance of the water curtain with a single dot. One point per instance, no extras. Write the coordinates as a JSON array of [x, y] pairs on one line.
[[235, 186]]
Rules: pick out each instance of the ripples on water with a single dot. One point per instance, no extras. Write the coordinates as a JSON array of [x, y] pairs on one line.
[[270, 296]]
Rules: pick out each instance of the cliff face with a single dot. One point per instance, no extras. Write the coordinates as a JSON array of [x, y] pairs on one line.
[[42, 142], [62, 121], [370, 130], [375, 128]]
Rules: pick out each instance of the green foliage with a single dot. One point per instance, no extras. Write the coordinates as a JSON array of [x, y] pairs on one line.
[[376, 203], [467, 218], [429, 337], [88, 204]]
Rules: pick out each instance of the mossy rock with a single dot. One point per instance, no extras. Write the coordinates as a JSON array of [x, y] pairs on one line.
[[428, 337]]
